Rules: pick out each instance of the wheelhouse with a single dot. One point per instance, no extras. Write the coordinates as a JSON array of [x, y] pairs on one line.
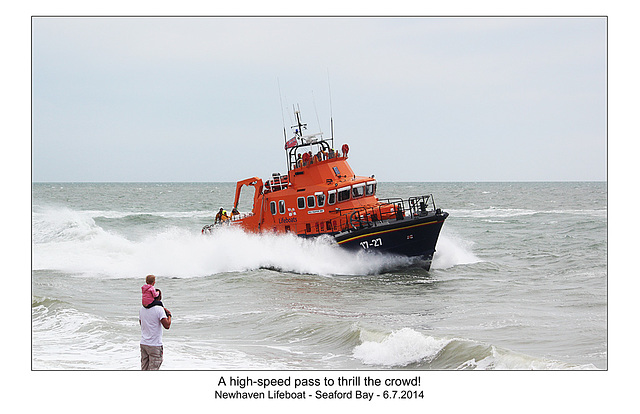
[[318, 194]]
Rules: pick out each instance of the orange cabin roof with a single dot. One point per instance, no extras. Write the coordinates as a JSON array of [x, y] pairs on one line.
[[309, 199]]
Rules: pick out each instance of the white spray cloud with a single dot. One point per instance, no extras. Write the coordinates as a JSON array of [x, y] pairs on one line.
[[71, 241]]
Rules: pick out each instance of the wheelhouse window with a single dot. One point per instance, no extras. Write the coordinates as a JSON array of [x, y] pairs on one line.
[[344, 194], [320, 198], [281, 207], [272, 205], [332, 197], [371, 188], [300, 202], [311, 201], [358, 190]]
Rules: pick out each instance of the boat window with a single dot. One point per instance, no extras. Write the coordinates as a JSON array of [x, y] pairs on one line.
[[320, 198], [358, 190], [344, 193], [332, 197], [273, 208], [281, 206], [311, 201], [337, 171], [371, 188], [300, 202]]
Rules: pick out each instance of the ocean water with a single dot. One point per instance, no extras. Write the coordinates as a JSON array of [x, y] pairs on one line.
[[518, 282]]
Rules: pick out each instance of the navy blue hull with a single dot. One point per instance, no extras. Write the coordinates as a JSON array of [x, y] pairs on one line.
[[412, 237]]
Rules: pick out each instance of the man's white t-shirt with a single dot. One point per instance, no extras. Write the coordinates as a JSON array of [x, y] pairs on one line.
[[151, 325]]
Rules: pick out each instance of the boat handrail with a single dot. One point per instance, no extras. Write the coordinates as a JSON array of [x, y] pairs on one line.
[[240, 216], [226, 222], [277, 182], [386, 209], [298, 162]]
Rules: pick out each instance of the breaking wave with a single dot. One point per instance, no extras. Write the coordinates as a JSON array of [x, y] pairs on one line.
[[75, 242], [408, 348]]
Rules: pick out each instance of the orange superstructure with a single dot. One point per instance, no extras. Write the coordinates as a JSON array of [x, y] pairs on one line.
[[320, 194]]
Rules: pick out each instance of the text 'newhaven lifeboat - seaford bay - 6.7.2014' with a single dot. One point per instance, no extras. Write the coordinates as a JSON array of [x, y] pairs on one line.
[[321, 195]]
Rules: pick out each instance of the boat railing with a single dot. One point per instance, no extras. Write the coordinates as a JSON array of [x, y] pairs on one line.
[[277, 182], [386, 209], [226, 222], [240, 216], [298, 159], [421, 205]]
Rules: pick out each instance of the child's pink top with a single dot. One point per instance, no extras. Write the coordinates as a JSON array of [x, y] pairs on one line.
[[149, 293]]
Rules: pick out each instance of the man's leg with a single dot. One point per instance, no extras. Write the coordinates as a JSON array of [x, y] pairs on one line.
[[155, 357], [144, 358]]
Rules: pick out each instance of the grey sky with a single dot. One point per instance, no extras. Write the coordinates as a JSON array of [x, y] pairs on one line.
[[416, 99]]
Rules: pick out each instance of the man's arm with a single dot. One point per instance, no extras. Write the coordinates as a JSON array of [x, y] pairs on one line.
[[166, 322]]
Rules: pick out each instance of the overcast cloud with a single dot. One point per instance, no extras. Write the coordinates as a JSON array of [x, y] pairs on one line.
[[416, 99]]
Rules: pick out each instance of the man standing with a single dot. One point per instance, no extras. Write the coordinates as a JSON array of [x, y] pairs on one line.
[[152, 320]]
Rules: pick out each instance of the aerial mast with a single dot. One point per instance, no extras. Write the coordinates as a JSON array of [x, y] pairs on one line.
[[300, 125], [330, 107], [284, 129]]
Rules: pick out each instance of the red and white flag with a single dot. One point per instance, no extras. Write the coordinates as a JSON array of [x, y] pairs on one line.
[[291, 143]]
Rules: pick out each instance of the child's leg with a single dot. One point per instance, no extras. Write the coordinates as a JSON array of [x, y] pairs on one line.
[[154, 303]]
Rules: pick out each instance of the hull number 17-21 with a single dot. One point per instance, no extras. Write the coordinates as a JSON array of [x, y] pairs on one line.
[[371, 243]]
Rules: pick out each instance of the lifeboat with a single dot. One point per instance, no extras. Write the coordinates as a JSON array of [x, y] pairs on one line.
[[321, 195]]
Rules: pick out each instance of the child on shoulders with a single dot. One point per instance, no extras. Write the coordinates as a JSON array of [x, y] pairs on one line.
[[149, 293]]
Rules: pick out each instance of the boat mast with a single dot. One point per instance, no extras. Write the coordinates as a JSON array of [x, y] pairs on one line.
[[300, 124], [297, 135], [284, 129], [330, 108]]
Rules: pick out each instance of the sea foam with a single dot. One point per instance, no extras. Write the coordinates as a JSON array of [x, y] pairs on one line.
[[400, 348], [407, 346], [71, 241]]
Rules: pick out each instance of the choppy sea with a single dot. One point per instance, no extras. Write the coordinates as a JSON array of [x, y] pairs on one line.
[[518, 282]]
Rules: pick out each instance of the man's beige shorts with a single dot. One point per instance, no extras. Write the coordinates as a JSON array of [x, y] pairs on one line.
[[150, 357]]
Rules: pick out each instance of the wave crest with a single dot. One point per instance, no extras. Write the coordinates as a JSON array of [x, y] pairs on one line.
[[409, 348]]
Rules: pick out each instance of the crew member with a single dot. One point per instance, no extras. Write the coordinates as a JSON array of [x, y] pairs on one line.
[[221, 216]]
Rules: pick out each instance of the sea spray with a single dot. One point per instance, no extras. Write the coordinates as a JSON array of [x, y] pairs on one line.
[[453, 250], [73, 242]]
